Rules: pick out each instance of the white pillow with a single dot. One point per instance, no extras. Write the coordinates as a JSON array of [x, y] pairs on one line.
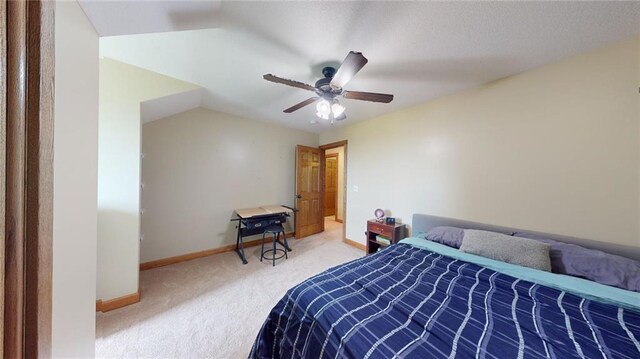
[[515, 250]]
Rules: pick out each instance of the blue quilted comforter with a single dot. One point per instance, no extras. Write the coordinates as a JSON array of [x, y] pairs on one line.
[[408, 302]]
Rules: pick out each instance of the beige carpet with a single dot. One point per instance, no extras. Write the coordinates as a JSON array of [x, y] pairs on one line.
[[213, 307]]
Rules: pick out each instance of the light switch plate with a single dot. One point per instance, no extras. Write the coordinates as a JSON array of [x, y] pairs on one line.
[[355, 188]]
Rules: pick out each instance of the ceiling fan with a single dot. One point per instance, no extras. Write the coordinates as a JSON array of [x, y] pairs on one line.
[[330, 87]]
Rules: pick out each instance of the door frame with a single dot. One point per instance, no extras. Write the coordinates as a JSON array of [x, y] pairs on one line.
[[337, 156], [26, 202], [323, 148]]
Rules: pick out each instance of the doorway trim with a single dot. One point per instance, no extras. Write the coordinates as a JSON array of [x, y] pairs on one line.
[[27, 77], [337, 157], [323, 148]]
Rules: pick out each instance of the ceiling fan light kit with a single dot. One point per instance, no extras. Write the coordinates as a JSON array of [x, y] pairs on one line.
[[330, 110], [330, 87], [337, 109], [324, 109]]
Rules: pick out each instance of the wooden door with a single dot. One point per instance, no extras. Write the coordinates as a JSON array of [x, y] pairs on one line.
[[330, 184], [308, 219]]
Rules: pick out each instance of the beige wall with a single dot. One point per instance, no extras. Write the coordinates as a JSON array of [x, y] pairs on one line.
[[122, 88], [554, 149], [340, 201], [75, 169], [199, 166]]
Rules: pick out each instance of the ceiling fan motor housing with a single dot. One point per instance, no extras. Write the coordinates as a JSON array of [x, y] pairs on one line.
[[323, 86], [328, 72]]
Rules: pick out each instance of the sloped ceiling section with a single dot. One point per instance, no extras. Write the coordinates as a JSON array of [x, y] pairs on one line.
[[142, 16], [416, 51], [170, 105]]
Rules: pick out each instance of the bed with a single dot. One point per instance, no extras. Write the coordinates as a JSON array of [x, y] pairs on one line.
[[420, 299]]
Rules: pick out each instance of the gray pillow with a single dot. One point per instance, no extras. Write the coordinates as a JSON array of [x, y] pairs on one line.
[[521, 251], [598, 266], [449, 236]]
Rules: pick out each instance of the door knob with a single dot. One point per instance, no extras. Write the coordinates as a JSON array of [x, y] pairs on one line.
[[299, 197]]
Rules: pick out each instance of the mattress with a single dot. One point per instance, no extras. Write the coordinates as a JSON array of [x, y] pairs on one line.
[[412, 301]]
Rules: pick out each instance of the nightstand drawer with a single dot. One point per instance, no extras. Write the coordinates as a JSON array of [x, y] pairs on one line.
[[393, 232], [380, 229]]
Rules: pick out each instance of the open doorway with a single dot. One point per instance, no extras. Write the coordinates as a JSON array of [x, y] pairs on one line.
[[334, 172], [331, 184], [312, 216]]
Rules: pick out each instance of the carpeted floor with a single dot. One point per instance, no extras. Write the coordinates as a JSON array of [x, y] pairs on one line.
[[213, 307]]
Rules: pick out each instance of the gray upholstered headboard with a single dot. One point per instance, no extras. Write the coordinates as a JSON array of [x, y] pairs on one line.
[[424, 222]]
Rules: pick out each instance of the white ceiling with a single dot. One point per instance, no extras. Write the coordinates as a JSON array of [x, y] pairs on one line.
[[416, 51], [143, 16]]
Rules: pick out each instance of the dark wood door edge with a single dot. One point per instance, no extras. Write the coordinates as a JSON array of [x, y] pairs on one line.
[[15, 172], [40, 105], [28, 200], [3, 137]]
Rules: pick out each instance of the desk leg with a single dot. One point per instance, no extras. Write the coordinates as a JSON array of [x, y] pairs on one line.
[[240, 245]]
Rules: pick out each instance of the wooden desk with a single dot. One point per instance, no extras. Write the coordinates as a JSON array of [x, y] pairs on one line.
[[253, 221]]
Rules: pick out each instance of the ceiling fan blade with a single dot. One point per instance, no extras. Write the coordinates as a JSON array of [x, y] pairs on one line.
[[301, 104], [349, 68], [368, 96], [292, 83]]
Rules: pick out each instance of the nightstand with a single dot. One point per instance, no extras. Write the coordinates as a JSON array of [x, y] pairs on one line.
[[395, 232]]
